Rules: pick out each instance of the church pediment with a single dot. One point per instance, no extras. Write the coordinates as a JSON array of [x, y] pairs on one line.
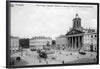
[[74, 31]]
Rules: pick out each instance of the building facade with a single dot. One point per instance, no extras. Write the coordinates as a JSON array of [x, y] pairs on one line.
[[79, 38], [14, 43], [39, 42], [61, 42], [90, 41]]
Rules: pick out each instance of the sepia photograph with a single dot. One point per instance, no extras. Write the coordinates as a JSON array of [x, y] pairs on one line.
[[52, 34]]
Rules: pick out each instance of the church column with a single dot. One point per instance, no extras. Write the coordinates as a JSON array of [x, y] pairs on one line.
[[75, 42], [72, 42], [79, 42], [82, 40], [69, 42]]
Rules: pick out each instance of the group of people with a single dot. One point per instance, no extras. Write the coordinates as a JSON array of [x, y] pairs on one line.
[[14, 61]]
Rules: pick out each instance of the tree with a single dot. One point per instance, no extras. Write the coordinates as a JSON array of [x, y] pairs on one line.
[[24, 43]]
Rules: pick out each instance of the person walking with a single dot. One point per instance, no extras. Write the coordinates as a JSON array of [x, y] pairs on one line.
[[63, 62], [46, 62], [39, 61]]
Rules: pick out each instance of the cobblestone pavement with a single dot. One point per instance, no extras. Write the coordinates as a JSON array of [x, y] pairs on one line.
[[32, 57]]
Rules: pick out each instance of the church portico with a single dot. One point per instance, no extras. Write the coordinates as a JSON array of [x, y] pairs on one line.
[[75, 42]]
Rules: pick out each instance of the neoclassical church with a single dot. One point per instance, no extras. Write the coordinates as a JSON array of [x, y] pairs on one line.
[[79, 38]]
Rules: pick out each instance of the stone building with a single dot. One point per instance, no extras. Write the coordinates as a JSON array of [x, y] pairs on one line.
[[90, 41], [39, 42], [61, 42], [79, 38], [14, 43]]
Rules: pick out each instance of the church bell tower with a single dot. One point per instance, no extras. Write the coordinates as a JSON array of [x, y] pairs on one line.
[[76, 22]]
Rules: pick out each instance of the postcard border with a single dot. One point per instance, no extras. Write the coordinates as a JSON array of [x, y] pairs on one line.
[[45, 2]]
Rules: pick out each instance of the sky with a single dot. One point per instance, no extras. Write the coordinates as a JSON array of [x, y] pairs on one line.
[[49, 20]]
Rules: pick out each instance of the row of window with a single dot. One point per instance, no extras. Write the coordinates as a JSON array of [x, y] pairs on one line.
[[61, 45], [91, 36]]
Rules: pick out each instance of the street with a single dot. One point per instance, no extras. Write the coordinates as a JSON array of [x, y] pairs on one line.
[[59, 57]]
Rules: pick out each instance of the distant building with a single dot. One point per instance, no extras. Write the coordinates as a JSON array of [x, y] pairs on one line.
[[14, 43], [61, 42], [80, 38], [39, 42]]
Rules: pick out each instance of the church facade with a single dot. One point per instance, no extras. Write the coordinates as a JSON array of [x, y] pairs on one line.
[[79, 38]]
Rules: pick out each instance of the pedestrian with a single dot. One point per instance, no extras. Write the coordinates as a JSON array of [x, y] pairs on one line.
[[38, 58], [91, 55], [18, 59], [10, 63], [26, 53], [60, 53], [46, 62], [70, 53], [39, 61], [21, 54], [45, 59], [94, 58], [63, 62], [13, 62], [78, 57]]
